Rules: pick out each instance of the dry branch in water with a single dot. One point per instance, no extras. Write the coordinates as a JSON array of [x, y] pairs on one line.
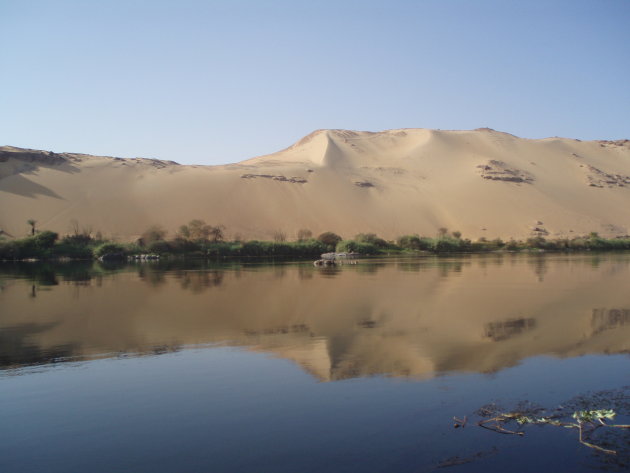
[[586, 422]]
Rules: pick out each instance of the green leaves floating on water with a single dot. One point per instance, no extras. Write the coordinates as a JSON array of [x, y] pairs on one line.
[[525, 420], [586, 422], [594, 416]]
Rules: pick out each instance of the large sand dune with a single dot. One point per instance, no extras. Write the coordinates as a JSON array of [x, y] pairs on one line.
[[481, 182]]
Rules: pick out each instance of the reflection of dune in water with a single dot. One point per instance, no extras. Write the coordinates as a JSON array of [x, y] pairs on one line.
[[609, 319], [415, 318], [502, 330]]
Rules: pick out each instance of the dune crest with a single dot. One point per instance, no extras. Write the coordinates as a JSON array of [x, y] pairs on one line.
[[483, 183]]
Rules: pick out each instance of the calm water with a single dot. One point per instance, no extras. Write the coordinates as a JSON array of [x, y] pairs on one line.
[[292, 368]]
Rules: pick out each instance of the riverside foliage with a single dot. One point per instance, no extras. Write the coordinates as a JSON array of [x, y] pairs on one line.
[[205, 241]]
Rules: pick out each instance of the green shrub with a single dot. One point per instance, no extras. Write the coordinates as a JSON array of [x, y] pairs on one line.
[[160, 247], [181, 245], [153, 234], [312, 247], [329, 239], [220, 249], [447, 245], [269, 248], [78, 239], [512, 245], [535, 242], [45, 239], [8, 250], [255, 248], [68, 249], [109, 247], [415, 242], [133, 249], [483, 244], [352, 246], [409, 242], [38, 246], [77, 246], [372, 239], [578, 244]]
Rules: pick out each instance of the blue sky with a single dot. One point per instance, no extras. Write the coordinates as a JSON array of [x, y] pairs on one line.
[[219, 81]]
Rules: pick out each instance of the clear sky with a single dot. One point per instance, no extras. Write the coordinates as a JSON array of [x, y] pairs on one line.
[[219, 81]]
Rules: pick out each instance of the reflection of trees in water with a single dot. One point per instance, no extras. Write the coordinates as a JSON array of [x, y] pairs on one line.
[[413, 266], [496, 258], [192, 274], [113, 265], [485, 260], [198, 281], [80, 273], [80, 276], [279, 272], [329, 271], [539, 265], [16, 349], [42, 274], [445, 267], [151, 275], [305, 271], [448, 267], [365, 267], [369, 266], [360, 324]]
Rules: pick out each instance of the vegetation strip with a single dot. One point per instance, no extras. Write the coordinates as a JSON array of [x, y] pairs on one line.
[[198, 239]]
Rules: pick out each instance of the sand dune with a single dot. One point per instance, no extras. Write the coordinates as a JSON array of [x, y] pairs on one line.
[[483, 183]]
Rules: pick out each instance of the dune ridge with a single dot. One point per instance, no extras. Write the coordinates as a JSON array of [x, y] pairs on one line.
[[482, 182]]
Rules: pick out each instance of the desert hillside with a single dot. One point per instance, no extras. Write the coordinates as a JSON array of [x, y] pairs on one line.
[[483, 183]]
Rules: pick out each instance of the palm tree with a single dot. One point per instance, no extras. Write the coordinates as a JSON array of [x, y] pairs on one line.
[[32, 223]]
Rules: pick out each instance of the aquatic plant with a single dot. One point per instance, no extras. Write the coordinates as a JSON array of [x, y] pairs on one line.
[[586, 422]]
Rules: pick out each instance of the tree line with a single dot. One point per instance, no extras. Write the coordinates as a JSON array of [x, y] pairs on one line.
[[199, 239]]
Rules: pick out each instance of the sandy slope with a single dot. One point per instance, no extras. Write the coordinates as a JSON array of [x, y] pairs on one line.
[[481, 182]]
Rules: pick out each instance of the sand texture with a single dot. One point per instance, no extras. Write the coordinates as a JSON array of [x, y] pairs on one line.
[[483, 183]]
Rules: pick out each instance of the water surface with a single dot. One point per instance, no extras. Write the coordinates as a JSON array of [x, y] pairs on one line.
[[289, 367]]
